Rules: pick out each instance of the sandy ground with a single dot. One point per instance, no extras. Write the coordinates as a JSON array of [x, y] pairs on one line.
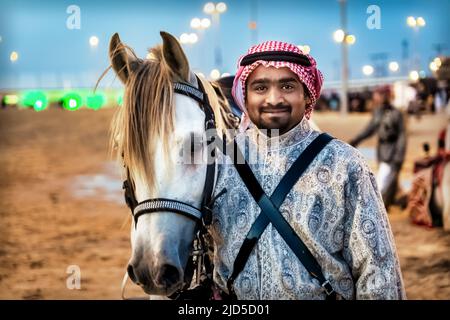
[[61, 206]]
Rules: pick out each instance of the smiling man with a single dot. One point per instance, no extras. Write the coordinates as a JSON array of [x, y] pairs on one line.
[[276, 98], [334, 207]]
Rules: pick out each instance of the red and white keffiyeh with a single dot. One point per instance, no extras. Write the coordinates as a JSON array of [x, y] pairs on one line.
[[308, 75]]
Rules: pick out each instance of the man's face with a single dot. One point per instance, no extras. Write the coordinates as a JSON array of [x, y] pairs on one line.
[[378, 98], [275, 98]]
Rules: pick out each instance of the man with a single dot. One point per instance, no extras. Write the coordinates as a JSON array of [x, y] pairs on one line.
[[334, 207], [387, 122]]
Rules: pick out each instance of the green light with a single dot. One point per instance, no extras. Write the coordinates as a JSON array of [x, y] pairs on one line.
[[95, 101], [36, 99], [39, 105], [72, 101], [10, 99]]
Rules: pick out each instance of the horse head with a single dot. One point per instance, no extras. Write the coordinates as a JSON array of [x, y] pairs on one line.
[[150, 133]]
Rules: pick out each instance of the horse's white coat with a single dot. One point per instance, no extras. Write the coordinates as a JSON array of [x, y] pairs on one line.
[[165, 237]]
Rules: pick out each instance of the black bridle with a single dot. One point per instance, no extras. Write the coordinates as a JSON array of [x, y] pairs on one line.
[[199, 260]]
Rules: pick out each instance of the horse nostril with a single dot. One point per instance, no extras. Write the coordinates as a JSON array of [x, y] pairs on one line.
[[131, 274], [168, 275]]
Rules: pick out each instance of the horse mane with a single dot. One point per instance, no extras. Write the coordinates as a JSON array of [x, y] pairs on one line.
[[148, 113]]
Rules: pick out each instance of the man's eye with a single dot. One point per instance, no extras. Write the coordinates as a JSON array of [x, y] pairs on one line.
[[287, 87], [260, 88]]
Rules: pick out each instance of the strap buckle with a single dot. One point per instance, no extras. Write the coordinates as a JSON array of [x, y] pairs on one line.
[[207, 215], [327, 287]]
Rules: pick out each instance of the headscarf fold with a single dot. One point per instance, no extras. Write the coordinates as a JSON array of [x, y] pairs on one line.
[[310, 76]]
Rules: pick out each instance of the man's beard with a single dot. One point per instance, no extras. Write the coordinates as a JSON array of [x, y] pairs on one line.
[[281, 123]]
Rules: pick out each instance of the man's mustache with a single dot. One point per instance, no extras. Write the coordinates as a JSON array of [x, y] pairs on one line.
[[278, 107]]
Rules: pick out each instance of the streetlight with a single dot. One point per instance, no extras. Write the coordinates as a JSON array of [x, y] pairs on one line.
[[367, 70], [93, 41], [215, 10], [305, 48], [211, 7], [438, 62], [14, 56], [200, 24], [215, 74], [350, 39], [188, 38], [339, 36], [416, 24], [394, 66], [420, 22], [433, 66], [414, 75]]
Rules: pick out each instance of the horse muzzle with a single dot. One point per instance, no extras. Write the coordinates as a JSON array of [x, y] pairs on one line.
[[168, 278]]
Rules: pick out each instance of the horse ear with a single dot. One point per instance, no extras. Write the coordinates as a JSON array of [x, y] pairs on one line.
[[174, 56], [121, 61]]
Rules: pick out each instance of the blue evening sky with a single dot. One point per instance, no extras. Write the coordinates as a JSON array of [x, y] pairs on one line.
[[51, 55]]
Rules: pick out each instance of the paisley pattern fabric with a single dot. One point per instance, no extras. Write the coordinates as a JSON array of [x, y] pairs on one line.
[[335, 208]]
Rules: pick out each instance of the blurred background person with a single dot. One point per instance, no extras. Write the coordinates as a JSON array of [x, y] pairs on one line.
[[388, 123]]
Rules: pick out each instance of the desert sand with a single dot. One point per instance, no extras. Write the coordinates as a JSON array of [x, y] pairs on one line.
[[62, 206]]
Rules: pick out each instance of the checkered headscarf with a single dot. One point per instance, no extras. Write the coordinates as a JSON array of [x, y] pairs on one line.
[[310, 76]]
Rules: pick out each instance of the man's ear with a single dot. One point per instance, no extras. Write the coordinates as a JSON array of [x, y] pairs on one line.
[[122, 61], [174, 56]]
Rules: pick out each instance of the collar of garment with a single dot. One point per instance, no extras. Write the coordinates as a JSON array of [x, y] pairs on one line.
[[288, 139]]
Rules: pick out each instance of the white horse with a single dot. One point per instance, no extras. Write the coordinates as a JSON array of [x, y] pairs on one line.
[[148, 133]]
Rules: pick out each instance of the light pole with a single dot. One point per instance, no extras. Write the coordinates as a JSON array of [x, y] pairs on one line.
[[215, 10], [200, 25], [416, 24], [253, 24], [341, 36], [188, 39]]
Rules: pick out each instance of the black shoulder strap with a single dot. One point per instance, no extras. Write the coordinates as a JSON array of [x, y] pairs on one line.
[[270, 212]]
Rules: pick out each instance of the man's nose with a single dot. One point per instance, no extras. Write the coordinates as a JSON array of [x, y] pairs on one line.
[[274, 97]]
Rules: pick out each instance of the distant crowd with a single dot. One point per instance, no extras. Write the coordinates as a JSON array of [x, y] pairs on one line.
[[425, 96]]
